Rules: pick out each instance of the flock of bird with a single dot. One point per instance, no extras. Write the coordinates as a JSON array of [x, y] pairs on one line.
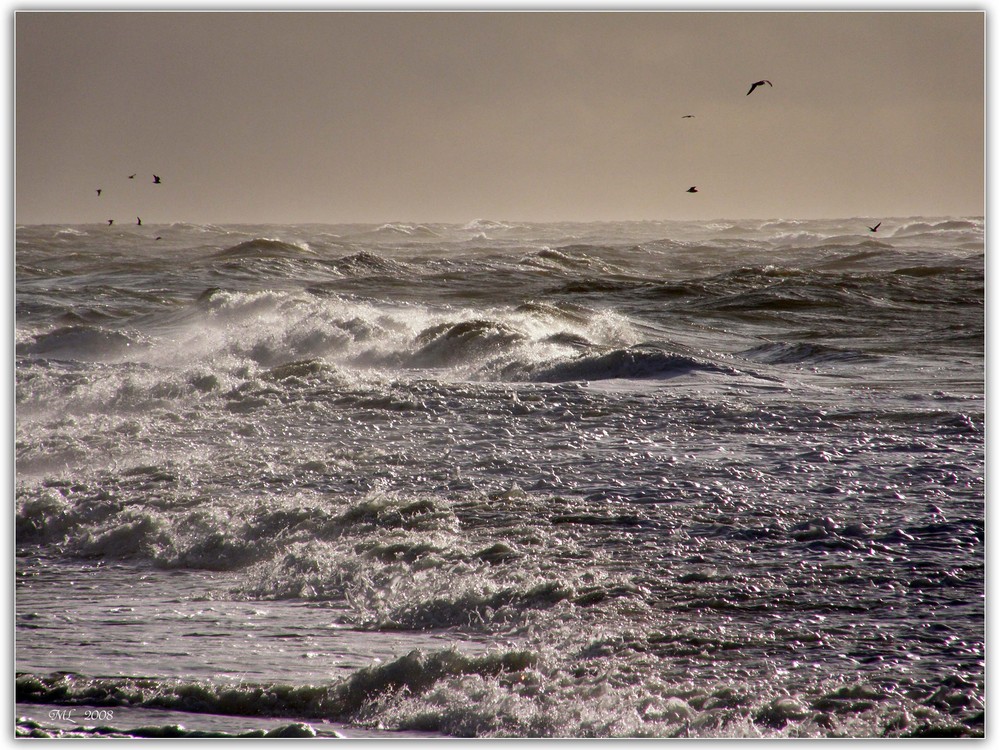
[[138, 220], [753, 87], [692, 189]]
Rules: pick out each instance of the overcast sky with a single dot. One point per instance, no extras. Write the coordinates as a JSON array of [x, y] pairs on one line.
[[339, 117]]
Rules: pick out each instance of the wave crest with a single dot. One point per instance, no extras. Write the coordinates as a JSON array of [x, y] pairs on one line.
[[631, 363], [263, 247]]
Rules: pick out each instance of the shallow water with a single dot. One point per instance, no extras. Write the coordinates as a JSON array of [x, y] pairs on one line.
[[647, 479]]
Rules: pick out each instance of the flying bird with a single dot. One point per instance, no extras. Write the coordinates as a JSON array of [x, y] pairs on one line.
[[875, 228], [110, 222], [759, 83], [156, 180], [138, 221], [684, 117], [692, 189], [98, 192], [131, 176]]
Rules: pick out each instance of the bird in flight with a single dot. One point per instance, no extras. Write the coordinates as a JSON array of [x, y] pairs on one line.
[[131, 176], [138, 221], [110, 222], [684, 117], [692, 189], [98, 192], [875, 228], [759, 83], [156, 180]]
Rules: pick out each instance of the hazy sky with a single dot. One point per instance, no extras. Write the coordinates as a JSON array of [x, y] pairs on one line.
[[340, 116]]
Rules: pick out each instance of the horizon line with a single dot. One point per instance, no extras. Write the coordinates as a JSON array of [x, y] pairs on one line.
[[890, 217]]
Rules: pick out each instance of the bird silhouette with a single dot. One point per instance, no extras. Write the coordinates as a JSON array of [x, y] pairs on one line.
[[875, 228], [692, 189], [110, 222], [759, 83], [156, 180], [138, 221], [98, 192], [684, 117], [131, 176]]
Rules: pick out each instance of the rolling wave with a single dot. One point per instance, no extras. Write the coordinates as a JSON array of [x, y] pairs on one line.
[[573, 258], [447, 343], [399, 230], [632, 363], [367, 263], [801, 353], [412, 674], [82, 342], [948, 225], [264, 248]]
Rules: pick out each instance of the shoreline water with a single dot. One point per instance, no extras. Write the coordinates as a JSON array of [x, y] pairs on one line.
[[58, 721]]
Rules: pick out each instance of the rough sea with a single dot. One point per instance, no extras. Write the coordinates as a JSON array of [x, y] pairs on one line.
[[642, 479]]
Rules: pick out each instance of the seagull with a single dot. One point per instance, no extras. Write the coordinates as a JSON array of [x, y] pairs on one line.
[[98, 192], [156, 180], [692, 189], [875, 228], [110, 222], [138, 221], [759, 83], [159, 238], [684, 117], [131, 176]]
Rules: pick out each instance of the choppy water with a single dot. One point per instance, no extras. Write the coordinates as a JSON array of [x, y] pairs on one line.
[[646, 479]]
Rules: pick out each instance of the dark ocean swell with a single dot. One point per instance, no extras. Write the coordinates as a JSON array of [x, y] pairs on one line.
[[633, 363], [263, 248]]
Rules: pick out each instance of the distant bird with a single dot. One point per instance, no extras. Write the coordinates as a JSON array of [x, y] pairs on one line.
[[138, 221], [159, 238], [98, 192], [684, 117], [131, 176], [759, 83], [874, 228], [692, 189], [110, 222], [156, 180]]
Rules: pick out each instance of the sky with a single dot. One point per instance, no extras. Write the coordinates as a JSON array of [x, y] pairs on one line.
[[330, 117]]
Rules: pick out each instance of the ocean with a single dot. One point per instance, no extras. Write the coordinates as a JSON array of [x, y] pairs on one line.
[[614, 479]]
